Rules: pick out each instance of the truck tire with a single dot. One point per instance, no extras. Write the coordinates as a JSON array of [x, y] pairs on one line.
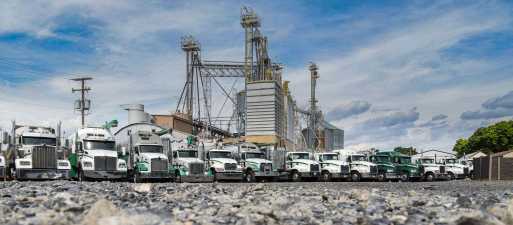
[[295, 177], [381, 177], [403, 177], [429, 177], [451, 176], [81, 176], [249, 176], [355, 177], [326, 176], [178, 177]]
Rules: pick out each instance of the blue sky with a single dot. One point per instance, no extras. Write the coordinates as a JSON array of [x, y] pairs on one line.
[[392, 72]]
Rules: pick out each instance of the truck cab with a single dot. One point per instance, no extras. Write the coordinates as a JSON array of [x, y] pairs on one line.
[[256, 166], [386, 168], [430, 170], [93, 155], [404, 168], [36, 154], [455, 169], [332, 167], [223, 166], [188, 166], [302, 165], [147, 160], [360, 167]]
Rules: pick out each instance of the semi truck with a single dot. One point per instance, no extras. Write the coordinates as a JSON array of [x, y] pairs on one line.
[[188, 167], [254, 162], [456, 169], [94, 156], [146, 159], [359, 165], [404, 168], [386, 169], [223, 166], [301, 166], [34, 154], [430, 170], [332, 167]]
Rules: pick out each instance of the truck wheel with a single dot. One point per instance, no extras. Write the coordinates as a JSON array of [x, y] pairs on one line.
[[295, 177], [81, 176], [326, 176], [451, 176], [214, 174], [430, 177], [135, 178], [404, 177], [249, 176], [355, 177], [381, 177]]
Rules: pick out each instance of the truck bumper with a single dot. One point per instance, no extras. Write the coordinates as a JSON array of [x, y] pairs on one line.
[[442, 176], [197, 179], [392, 176], [41, 174], [340, 175], [105, 174], [157, 175], [232, 176], [310, 174], [368, 175], [266, 174]]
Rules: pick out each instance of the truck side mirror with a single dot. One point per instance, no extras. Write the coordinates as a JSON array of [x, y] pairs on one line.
[[79, 147]]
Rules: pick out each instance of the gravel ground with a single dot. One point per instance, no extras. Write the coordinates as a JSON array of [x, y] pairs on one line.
[[64, 202]]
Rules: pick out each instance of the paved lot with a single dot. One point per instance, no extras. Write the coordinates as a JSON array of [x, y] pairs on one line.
[[64, 202]]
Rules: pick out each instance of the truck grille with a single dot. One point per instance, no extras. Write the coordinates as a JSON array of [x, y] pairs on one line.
[[105, 163], [158, 165], [230, 166], [44, 157], [374, 169], [442, 169], [344, 169], [266, 167], [196, 168], [314, 168]]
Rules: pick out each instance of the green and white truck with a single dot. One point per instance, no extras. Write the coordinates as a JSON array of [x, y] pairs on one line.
[[404, 168], [223, 166], [332, 167], [94, 156], [301, 166], [188, 167]]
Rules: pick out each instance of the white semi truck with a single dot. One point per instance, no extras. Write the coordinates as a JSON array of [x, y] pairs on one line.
[[223, 166], [254, 162], [94, 156], [431, 170], [146, 158], [332, 167], [34, 154], [301, 166], [360, 167], [456, 169]]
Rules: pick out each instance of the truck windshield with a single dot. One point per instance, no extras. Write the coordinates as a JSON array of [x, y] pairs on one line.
[[255, 155], [150, 149], [39, 141], [427, 161], [450, 161], [103, 145], [300, 156], [220, 155], [382, 159], [358, 158], [188, 154], [405, 160], [329, 157]]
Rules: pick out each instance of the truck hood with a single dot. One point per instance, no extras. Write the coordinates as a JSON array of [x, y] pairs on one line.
[[307, 161], [224, 160], [184, 161], [363, 163], [259, 161], [100, 152]]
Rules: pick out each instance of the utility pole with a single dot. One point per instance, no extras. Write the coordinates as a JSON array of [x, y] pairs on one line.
[[82, 104], [312, 134]]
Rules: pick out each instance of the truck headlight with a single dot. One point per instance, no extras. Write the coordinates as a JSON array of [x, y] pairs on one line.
[[88, 164], [25, 163], [122, 165], [390, 170]]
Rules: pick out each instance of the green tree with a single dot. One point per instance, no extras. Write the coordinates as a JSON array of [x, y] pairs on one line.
[[407, 151], [494, 138]]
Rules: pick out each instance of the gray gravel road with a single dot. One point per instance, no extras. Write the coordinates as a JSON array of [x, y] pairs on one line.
[[64, 202]]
